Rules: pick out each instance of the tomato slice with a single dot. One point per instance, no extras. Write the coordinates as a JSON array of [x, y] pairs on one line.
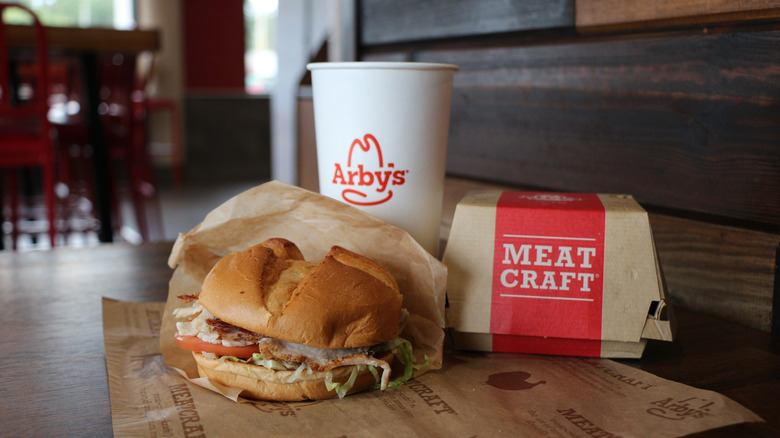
[[195, 343]]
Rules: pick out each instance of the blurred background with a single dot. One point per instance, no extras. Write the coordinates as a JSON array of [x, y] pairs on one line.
[[224, 67], [157, 111]]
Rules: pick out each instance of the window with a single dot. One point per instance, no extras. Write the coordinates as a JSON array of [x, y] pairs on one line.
[[118, 14], [260, 57]]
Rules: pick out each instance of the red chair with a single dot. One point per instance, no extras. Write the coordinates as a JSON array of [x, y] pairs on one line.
[[148, 105], [126, 122], [124, 117], [25, 132]]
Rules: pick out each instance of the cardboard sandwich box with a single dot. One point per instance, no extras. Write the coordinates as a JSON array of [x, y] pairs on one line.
[[554, 273]]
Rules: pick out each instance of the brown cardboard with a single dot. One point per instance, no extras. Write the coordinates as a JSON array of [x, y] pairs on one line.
[[635, 302]]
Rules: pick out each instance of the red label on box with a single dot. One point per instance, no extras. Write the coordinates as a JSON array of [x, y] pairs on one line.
[[548, 265], [539, 345]]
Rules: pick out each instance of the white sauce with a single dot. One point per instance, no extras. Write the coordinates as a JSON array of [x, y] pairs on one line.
[[319, 355]]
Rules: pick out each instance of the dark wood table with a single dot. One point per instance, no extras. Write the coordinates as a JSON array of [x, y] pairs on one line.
[[53, 371]]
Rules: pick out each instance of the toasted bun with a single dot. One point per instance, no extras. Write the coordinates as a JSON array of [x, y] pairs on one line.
[[261, 383], [343, 301]]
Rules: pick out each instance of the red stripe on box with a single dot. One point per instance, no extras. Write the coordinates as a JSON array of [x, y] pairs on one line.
[[555, 346], [548, 265]]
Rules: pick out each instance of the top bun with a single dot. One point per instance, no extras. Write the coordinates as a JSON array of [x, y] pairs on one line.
[[343, 301]]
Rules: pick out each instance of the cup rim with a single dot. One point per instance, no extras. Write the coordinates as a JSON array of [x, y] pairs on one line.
[[373, 65]]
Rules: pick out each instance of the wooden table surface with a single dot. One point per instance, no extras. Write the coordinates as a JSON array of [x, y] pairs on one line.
[[92, 39], [53, 371]]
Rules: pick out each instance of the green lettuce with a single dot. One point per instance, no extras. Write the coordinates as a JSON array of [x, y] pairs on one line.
[[402, 348], [343, 388], [259, 360]]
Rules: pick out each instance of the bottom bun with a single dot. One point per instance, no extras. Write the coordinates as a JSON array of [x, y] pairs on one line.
[[260, 383]]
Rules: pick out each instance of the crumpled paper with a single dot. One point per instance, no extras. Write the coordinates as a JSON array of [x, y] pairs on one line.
[[314, 223]]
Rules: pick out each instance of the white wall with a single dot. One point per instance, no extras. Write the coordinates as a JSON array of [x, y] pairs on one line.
[[168, 80], [165, 17], [302, 26]]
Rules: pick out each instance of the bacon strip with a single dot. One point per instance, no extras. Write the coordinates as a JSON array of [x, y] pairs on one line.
[[188, 298], [227, 330]]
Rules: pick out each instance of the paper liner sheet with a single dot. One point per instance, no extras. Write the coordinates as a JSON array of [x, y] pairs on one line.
[[477, 394]]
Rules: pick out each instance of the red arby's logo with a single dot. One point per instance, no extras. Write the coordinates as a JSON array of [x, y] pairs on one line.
[[365, 186]]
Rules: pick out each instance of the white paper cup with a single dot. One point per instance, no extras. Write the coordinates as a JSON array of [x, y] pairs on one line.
[[381, 131]]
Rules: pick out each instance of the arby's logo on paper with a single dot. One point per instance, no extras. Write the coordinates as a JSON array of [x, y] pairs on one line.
[[365, 183]]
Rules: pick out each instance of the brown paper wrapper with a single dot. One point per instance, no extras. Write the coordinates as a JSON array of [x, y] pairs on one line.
[[315, 223], [479, 394]]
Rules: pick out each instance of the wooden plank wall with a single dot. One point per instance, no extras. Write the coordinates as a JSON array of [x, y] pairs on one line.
[[605, 15], [676, 103]]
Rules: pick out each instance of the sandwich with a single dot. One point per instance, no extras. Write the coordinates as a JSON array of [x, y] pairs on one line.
[[280, 328]]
